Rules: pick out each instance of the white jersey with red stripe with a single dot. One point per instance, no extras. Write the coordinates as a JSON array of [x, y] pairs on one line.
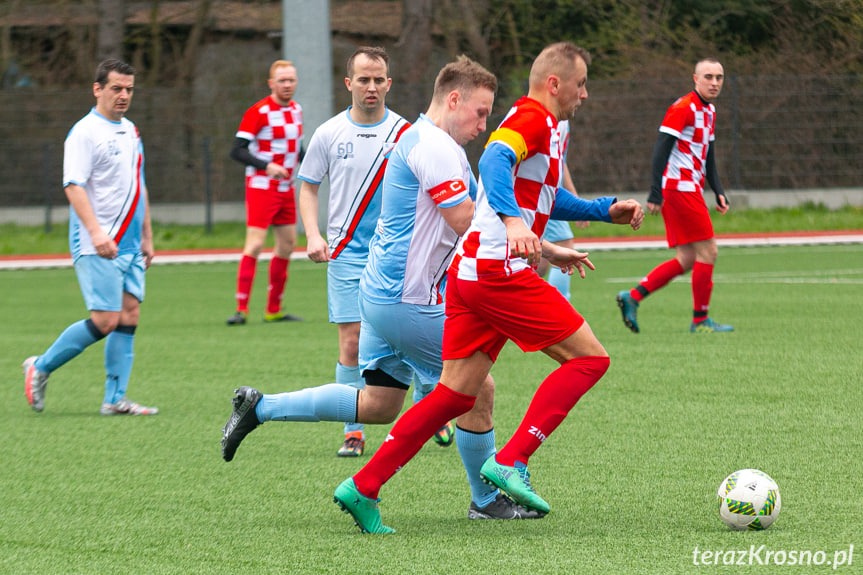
[[413, 244], [106, 158], [692, 122], [353, 156], [276, 134], [531, 132]]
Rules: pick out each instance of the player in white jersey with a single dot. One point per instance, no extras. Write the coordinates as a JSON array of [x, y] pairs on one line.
[[350, 149], [110, 238]]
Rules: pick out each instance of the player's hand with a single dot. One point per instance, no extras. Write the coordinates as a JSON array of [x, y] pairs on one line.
[[627, 212], [568, 260], [147, 251], [317, 249], [654, 209], [722, 205], [105, 246], [276, 171], [522, 242]]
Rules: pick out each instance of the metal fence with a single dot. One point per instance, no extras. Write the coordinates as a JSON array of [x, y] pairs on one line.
[[772, 133]]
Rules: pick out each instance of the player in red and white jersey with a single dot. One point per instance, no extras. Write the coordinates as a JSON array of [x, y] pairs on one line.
[[502, 297], [269, 144], [683, 159]]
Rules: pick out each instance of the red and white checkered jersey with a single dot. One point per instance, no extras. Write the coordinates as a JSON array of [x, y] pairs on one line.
[[692, 122], [532, 133], [275, 133]]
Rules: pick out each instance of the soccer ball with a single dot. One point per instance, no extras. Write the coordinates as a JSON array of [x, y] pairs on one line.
[[749, 499]]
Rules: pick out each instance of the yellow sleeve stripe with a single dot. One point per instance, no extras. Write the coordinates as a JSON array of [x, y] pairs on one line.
[[512, 139]]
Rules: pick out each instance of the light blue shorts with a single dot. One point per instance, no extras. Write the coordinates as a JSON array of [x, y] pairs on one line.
[[103, 281], [557, 231], [343, 290], [402, 340]]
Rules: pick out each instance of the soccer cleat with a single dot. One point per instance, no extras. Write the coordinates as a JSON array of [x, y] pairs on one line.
[[364, 510], [515, 482], [280, 316], [35, 382], [125, 406], [629, 309], [238, 318], [709, 326], [445, 435], [353, 445], [502, 508], [242, 421]]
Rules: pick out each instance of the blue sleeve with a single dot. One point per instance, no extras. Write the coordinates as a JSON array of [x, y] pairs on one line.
[[472, 188], [571, 208], [495, 172]]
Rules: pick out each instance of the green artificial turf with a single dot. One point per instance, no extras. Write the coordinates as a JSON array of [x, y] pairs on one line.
[[631, 475]]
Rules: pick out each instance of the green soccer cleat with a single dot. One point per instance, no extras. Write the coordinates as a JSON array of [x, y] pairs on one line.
[[280, 316], [709, 326], [629, 309], [445, 435], [363, 509], [515, 482]]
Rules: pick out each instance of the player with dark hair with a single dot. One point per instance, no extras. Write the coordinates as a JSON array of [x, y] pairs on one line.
[[110, 237], [683, 158]]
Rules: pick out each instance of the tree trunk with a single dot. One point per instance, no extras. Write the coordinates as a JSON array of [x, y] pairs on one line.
[[112, 16], [414, 49]]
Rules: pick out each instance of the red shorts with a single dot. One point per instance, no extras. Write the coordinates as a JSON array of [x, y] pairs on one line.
[[483, 315], [265, 208], [687, 218]]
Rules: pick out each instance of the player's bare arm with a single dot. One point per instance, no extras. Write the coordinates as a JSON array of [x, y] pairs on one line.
[[317, 249], [567, 259], [147, 249], [104, 245], [523, 243], [627, 212], [459, 217]]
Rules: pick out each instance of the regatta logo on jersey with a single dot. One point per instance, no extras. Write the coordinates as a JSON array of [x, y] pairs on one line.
[[367, 135], [113, 148], [447, 190]]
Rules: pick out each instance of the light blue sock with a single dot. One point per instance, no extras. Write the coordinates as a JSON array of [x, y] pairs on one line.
[[420, 391], [350, 376], [560, 280], [330, 402], [119, 355], [475, 449], [74, 339]]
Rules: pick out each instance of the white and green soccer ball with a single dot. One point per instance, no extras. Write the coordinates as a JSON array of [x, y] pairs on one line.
[[749, 500]]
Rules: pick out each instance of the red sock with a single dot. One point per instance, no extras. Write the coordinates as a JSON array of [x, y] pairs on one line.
[[657, 278], [411, 431], [245, 277], [278, 279], [702, 288], [550, 405]]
